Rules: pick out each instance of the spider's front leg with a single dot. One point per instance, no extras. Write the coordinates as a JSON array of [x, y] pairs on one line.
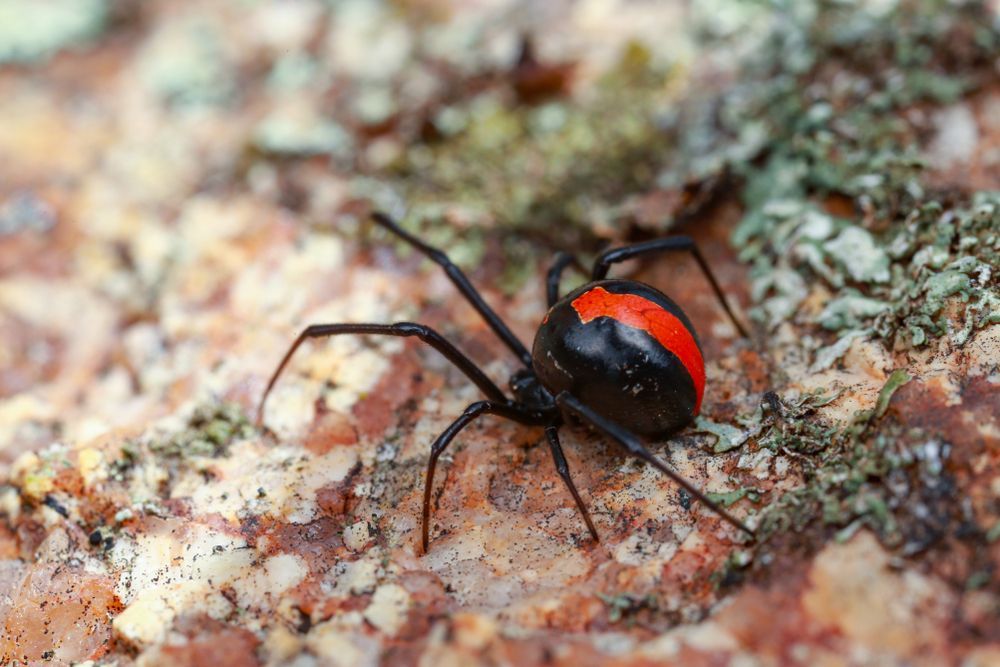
[[424, 333], [463, 285]]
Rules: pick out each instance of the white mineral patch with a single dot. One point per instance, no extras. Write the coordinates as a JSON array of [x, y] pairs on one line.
[[178, 553], [21, 409], [639, 548], [289, 479], [89, 462], [356, 535], [388, 608], [180, 569], [473, 631], [367, 41], [147, 619], [708, 636], [285, 25], [357, 577], [465, 545], [339, 646], [267, 581], [10, 503]]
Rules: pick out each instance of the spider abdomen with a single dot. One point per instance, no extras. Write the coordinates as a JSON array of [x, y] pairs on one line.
[[625, 350]]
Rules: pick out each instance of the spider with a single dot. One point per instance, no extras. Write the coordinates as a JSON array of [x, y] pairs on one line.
[[617, 355]]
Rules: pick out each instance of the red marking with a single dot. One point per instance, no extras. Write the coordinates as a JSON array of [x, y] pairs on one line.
[[661, 324]]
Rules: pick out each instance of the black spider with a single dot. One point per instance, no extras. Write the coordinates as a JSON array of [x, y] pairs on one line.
[[616, 354]]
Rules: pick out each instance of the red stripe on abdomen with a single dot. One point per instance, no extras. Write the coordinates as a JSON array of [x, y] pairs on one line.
[[640, 313]]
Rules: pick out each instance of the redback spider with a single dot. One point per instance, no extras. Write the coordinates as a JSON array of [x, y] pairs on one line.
[[616, 354]]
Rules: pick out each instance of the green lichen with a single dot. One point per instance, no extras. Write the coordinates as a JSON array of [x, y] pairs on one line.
[[732, 570], [209, 432], [185, 66], [827, 356], [727, 437], [898, 378], [828, 89], [867, 473], [624, 606], [288, 134], [850, 309], [728, 498]]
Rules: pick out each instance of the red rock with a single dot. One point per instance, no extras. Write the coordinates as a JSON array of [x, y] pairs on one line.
[[60, 613]]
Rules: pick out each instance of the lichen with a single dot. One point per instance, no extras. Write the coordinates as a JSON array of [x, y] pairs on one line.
[[209, 431], [828, 87], [625, 606], [868, 472], [727, 437]]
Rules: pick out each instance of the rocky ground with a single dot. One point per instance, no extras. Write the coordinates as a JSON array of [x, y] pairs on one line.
[[185, 186]]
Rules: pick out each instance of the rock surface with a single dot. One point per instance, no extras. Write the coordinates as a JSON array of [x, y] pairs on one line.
[[185, 187]]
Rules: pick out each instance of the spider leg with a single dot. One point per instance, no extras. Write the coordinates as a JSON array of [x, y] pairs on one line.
[[604, 261], [634, 446], [462, 283], [552, 433], [471, 413], [425, 333], [559, 264]]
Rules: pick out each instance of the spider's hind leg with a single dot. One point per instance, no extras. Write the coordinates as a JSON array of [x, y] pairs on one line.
[[631, 444], [685, 243], [562, 261]]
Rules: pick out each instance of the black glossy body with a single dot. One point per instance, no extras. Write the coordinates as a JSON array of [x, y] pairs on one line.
[[621, 372]]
